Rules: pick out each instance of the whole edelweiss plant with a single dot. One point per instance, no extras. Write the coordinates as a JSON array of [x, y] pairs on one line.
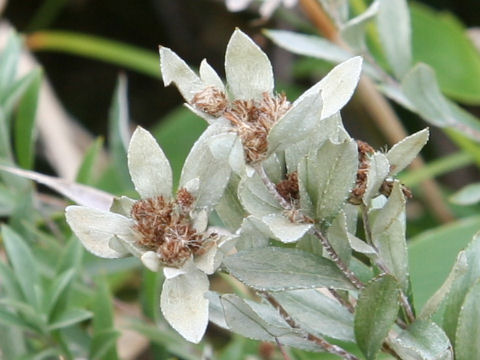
[[276, 172]]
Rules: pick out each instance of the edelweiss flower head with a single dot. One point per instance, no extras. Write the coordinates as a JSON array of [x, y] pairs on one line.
[[266, 9], [163, 230], [264, 122]]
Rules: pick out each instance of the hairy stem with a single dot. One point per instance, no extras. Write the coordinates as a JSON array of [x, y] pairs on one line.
[[282, 350], [328, 347], [379, 109]]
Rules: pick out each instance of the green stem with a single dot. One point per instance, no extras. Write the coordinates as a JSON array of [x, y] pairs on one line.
[[114, 52]]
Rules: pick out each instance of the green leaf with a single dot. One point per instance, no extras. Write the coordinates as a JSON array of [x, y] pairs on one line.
[[329, 176], [25, 122], [9, 59], [467, 195], [423, 340], [255, 197], [9, 283], [432, 254], [11, 319], [23, 263], [118, 131], [337, 234], [440, 40], [395, 35], [376, 311], [12, 341], [229, 209], [71, 257], [467, 343], [353, 32], [15, 92], [68, 318], [102, 345], [317, 313], [388, 235], [86, 168], [252, 234], [279, 269], [56, 290]]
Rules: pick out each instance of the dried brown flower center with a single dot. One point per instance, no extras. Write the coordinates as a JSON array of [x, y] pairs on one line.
[[165, 226], [252, 119]]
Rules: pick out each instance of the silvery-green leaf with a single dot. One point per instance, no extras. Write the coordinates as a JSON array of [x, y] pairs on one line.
[[229, 208], [253, 234], [360, 246], [200, 220], [403, 152], [388, 234], [329, 176], [460, 288], [395, 93], [353, 32], [377, 172], [274, 167], [247, 68], [95, 228], [421, 88], [467, 195], [459, 268], [277, 269], [206, 262], [81, 194], [175, 70], [337, 235], [215, 310], [149, 167], [394, 30], [351, 214], [285, 230], [308, 45], [337, 9], [117, 245], [184, 306], [126, 246], [212, 173], [151, 260], [297, 123], [310, 243], [467, 343], [228, 148], [423, 340], [337, 86], [317, 313], [306, 203], [122, 205], [375, 313], [209, 76], [256, 198]]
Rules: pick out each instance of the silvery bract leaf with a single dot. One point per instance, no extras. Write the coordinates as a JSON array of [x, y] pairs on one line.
[[403, 152], [329, 176], [151, 261], [175, 70], [122, 205], [274, 167], [423, 340], [81, 194], [377, 172], [284, 230], [467, 195], [228, 148], [229, 208], [337, 86], [394, 30], [297, 123], [184, 306], [212, 173], [388, 234], [126, 244], [253, 234], [433, 304], [337, 234], [375, 313], [360, 246], [237, 5], [308, 45], [317, 313], [148, 166], [467, 340], [278, 269], [206, 262], [256, 198], [209, 76], [215, 310], [247, 68], [95, 228], [353, 32], [460, 288]]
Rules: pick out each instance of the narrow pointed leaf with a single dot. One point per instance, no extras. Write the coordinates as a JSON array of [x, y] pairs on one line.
[[338, 236], [86, 168], [209, 76], [375, 313], [396, 35], [9, 60], [68, 318], [247, 68], [467, 195], [467, 344], [403, 152], [377, 172], [279, 269]]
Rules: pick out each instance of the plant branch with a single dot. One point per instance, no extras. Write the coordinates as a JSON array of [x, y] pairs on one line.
[[331, 348], [379, 109], [282, 350]]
